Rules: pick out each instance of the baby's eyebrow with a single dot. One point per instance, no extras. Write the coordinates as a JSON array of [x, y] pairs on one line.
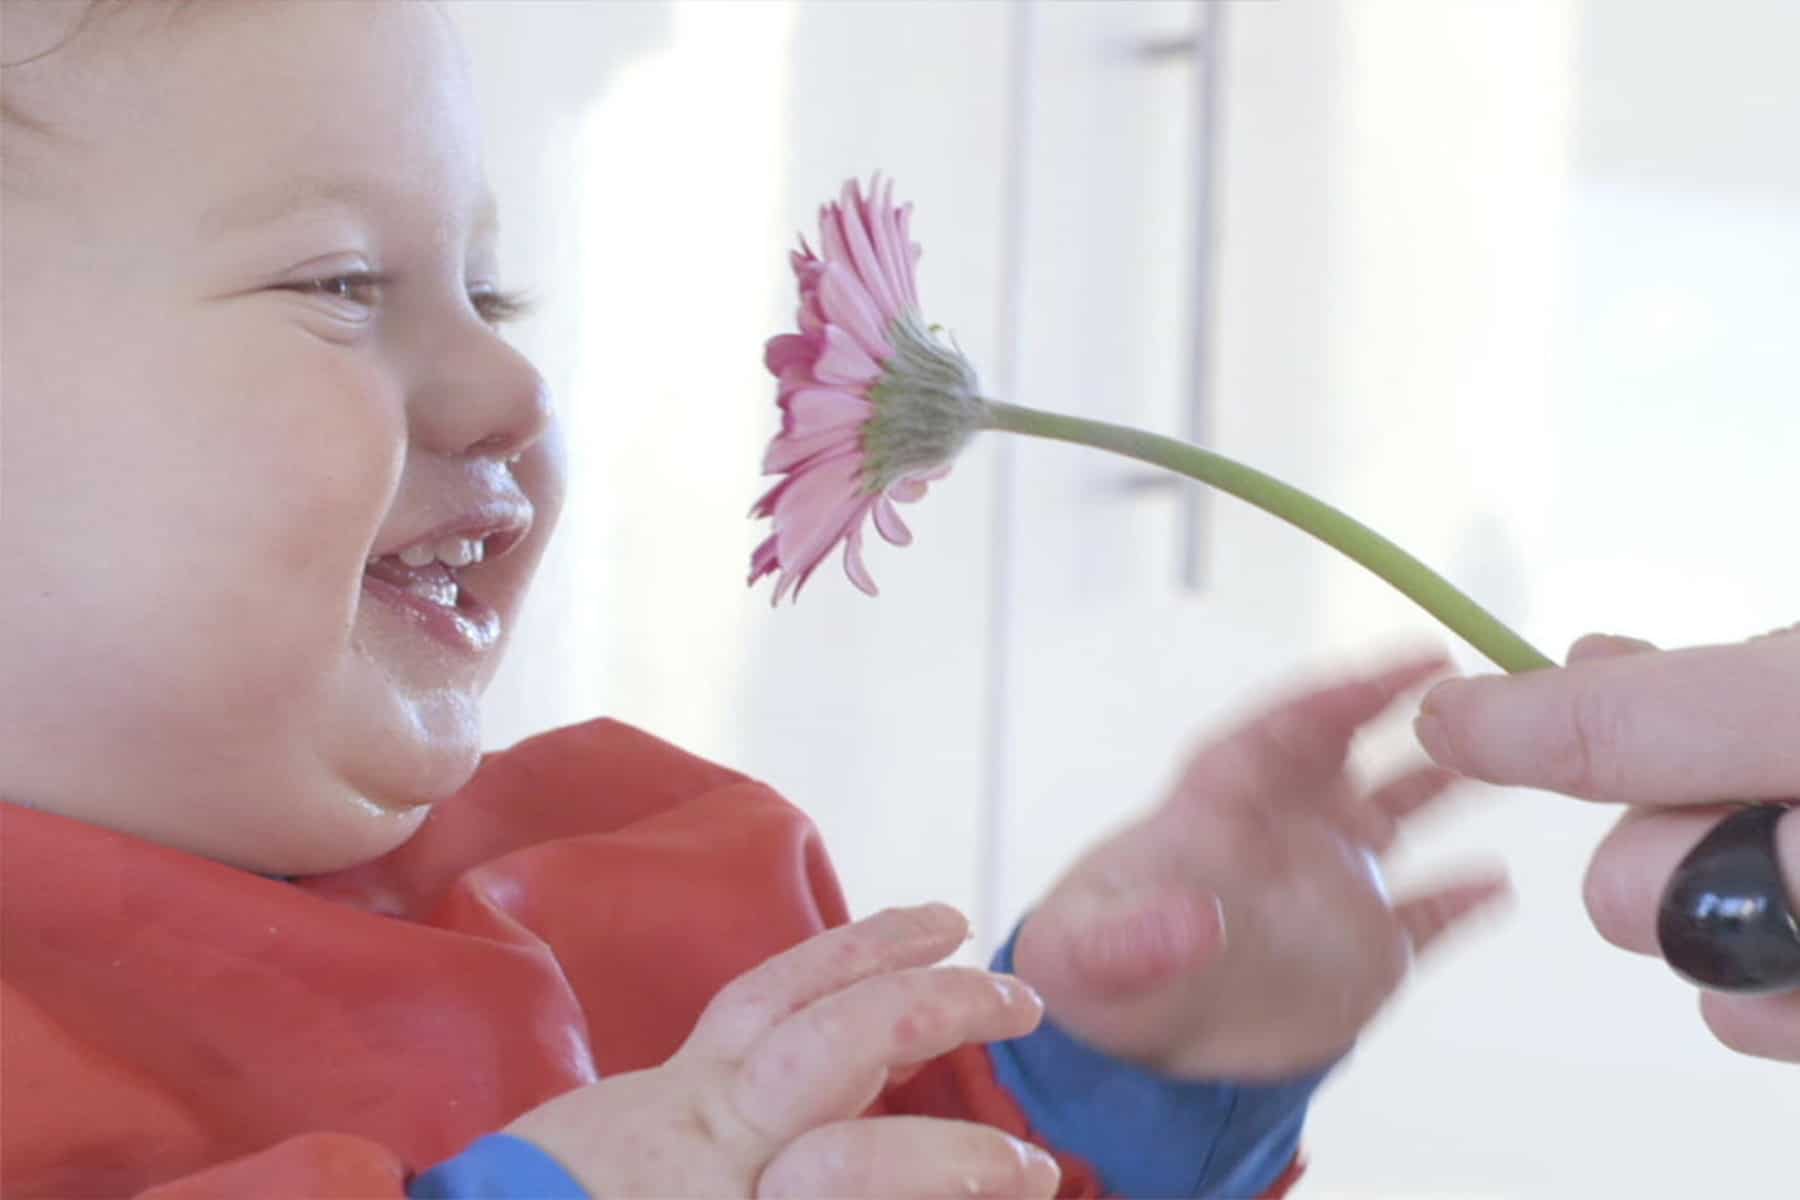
[[288, 197]]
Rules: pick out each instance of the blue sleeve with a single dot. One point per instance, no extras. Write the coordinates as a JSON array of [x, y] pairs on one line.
[[498, 1167], [1147, 1134]]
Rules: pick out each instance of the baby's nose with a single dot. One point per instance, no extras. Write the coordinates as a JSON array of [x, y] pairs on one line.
[[487, 400]]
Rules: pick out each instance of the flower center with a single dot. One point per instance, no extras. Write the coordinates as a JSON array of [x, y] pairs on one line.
[[927, 405]]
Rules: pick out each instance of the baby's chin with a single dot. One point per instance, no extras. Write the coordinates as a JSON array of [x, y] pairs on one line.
[[351, 833], [400, 747], [311, 826], [376, 772], [425, 759]]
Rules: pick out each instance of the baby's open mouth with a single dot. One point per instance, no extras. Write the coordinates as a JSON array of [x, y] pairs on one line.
[[428, 570], [424, 581]]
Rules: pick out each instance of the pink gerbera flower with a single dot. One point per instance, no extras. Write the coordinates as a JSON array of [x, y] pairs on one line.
[[873, 406]]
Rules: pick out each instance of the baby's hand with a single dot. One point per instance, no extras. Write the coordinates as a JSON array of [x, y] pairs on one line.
[[1241, 930], [763, 1097]]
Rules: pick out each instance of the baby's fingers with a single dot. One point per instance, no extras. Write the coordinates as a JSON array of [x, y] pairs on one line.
[[1428, 917], [756, 1001], [1302, 743], [905, 1157], [1376, 822], [829, 1061]]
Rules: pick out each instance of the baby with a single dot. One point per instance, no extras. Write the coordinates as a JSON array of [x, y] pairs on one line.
[[274, 487]]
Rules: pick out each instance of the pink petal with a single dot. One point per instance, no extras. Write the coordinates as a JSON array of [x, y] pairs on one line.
[[853, 562], [909, 250], [765, 504], [888, 250], [796, 378], [802, 260], [789, 580], [831, 235], [815, 409], [813, 513], [906, 490], [806, 270], [788, 452], [789, 350], [847, 303], [852, 521], [888, 522], [869, 265], [764, 560], [844, 361]]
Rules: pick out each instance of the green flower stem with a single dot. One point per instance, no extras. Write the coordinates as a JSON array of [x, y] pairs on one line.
[[1461, 615]]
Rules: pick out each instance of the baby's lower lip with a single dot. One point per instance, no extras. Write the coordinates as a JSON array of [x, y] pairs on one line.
[[467, 624]]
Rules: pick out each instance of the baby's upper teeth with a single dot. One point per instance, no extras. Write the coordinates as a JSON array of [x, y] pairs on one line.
[[451, 551], [459, 552]]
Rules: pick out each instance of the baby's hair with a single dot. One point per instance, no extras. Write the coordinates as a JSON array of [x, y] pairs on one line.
[[92, 13], [11, 114], [87, 13]]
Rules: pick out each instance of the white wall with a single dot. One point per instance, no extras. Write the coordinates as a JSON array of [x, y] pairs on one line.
[[1516, 283]]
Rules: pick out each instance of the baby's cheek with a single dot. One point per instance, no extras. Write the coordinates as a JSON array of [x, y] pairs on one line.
[[314, 456], [330, 458]]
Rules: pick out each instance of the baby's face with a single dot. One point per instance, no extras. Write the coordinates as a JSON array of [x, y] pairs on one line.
[[250, 384]]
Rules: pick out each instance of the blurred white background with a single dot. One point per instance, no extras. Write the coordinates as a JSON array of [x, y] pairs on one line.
[[1516, 283]]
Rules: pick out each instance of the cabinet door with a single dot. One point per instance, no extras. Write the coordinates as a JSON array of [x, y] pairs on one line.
[[1115, 652]]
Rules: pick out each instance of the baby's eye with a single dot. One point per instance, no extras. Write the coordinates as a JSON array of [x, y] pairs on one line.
[[361, 288], [497, 307]]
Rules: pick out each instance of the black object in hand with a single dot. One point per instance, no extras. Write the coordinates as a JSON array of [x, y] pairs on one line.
[[1726, 921]]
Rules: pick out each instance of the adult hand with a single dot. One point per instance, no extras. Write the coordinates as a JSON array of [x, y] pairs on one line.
[[764, 1098], [1668, 734]]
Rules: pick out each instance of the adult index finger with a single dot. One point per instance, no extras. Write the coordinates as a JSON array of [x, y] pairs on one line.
[[1666, 728]]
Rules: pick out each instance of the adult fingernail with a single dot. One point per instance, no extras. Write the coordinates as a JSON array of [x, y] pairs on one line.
[[1429, 726], [1606, 645], [1429, 729]]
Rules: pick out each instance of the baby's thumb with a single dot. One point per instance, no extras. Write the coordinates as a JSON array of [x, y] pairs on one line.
[[1120, 945]]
